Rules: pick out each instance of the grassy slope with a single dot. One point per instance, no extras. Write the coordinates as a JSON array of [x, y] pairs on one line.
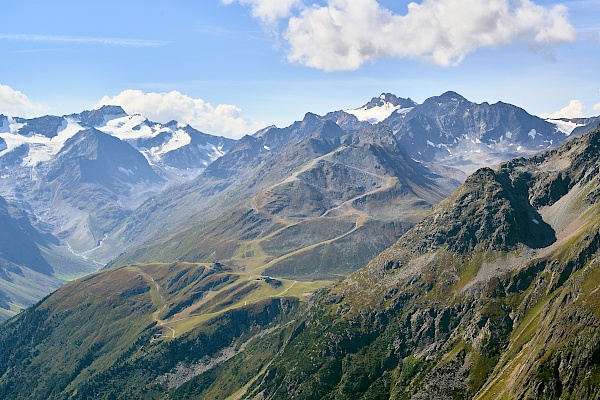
[[117, 330]]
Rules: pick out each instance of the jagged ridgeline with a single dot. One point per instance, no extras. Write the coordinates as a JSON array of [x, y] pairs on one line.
[[494, 295]]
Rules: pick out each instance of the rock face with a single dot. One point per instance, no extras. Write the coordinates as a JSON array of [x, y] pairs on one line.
[[95, 175], [491, 211], [19, 240], [451, 130]]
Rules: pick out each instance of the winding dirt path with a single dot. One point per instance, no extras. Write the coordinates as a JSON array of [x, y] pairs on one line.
[[360, 220], [156, 295]]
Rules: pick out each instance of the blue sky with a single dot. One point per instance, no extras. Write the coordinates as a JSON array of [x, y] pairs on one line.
[[232, 66]]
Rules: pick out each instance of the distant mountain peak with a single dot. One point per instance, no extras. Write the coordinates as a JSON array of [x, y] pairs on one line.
[[109, 109], [389, 98], [380, 108], [310, 117], [174, 124], [446, 98], [100, 116], [452, 94]]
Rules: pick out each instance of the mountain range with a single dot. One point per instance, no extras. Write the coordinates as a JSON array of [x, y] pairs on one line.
[[492, 295], [315, 200], [386, 162]]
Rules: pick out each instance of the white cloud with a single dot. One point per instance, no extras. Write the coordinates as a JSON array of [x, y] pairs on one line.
[[224, 119], [269, 11], [15, 104], [347, 33], [575, 109], [596, 107]]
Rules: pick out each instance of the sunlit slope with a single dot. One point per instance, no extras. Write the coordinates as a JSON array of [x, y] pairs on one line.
[[118, 331]]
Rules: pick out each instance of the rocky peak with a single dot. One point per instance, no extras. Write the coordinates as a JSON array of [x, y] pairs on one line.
[[173, 124], [389, 98], [328, 130], [100, 116], [100, 158], [487, 212], [47, 126], [445, 103]]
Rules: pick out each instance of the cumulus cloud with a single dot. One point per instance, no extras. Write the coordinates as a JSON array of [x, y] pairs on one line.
[[575, 109], [269, 11], [344, 34], [15, 104], [347, 33], [224, 119], [596, 107]]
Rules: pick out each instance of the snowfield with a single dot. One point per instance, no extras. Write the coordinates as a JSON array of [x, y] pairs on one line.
[[377, 114]]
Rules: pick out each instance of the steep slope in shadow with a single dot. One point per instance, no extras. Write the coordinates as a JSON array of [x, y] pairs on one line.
[[25, 272]]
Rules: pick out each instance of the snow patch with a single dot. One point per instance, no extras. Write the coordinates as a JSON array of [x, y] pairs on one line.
[[532, 133], [377, 114], [130, 127], [564, 126], [212, 151], [179, 139]]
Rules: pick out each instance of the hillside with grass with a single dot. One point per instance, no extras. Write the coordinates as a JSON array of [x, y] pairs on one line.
[[123, 331]]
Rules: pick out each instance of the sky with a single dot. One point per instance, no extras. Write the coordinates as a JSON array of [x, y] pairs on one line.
[[231, 67]]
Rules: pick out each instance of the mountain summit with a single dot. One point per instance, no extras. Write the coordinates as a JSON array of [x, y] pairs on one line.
[[381, 108]]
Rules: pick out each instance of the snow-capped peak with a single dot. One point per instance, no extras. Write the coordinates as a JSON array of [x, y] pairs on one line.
[[378, 113], [41, 148]]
